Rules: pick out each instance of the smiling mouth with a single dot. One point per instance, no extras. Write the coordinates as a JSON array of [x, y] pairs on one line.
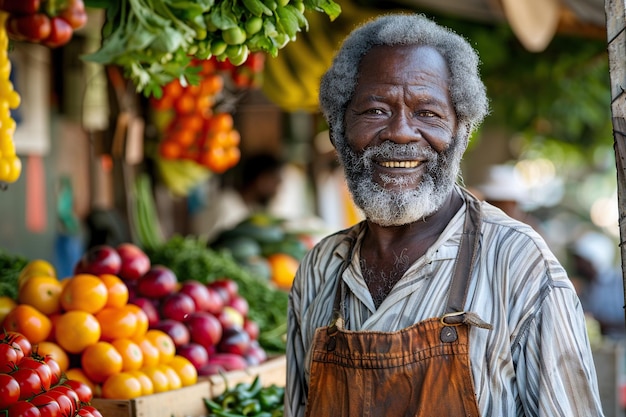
[[399, 164]]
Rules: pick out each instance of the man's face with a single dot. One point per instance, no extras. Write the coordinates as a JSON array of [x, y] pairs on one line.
[[401, 156]]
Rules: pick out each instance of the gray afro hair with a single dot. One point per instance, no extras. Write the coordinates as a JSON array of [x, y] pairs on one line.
[[467, 90]]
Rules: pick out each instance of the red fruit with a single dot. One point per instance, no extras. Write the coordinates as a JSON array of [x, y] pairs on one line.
[[23, 409], [177, 306], [85, 394], [252, 328], [42, 369], [66, 404], [174, 329], [227, 288], [234, 340], [228, 361], [75, 14], [10, 390], [60, 33], [20, 6], [148, 307], [205, 328], [29, 381], [31, 27], [135, 262], [93, 410], [240, 304], [198, 292], [195, 353], [216, 302], [101, 259], [158, 282], [255, 354]]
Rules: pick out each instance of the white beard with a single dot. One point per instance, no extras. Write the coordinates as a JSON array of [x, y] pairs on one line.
[[392, 207]]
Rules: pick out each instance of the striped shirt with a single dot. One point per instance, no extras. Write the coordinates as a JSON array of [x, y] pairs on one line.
[[536, 361]]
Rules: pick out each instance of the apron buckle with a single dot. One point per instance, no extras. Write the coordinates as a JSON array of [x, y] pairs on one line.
[[456, 321]]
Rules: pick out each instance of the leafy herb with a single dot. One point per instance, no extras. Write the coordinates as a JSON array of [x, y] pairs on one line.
[[10, 268]]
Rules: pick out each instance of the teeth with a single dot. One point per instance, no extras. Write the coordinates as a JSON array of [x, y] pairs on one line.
[[399, 164]]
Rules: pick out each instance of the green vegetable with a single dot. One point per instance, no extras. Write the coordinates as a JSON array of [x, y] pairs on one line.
[[10, 268], [154, 41], [248, 399]]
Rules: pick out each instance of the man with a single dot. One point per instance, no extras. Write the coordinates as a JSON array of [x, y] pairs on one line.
[[437, 304]]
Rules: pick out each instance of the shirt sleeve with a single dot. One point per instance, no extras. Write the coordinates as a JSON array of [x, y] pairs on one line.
[[295, 395], [555, 369]]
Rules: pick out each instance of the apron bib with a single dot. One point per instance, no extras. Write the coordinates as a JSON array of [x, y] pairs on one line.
[[421, 371]]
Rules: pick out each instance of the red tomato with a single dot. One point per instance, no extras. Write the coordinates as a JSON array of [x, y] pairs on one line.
[[66, 404], [93, 410], [83, 412], [30, 383], [8, 357], [60, 33], [20, 6], [47, 406], [9, 391], [39, 366], [23, 409], [21, 340], [31, 27], [55, 370], [85, 394], [70, 393], [75, 14]]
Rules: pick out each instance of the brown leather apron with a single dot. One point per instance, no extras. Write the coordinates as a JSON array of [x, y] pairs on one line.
[[423, 370]]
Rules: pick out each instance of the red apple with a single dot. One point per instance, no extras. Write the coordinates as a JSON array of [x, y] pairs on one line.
[[148, 307], [227, 288], [196, 354], [229, 317], [252, 328], [240, 304], [177, 306], [98, 260], [234, 340], [228, 361], [198, 292], [135, 262], [158, 282], [205, 328], [216, 302], [255, 354], [175, 329]]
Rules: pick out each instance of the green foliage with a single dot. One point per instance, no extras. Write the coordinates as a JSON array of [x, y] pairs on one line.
[[10, 267]]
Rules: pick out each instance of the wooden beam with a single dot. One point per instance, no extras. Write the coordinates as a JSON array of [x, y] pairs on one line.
[[616, 37]]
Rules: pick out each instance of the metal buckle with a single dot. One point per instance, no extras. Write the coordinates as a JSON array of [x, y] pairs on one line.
[[455, 314]]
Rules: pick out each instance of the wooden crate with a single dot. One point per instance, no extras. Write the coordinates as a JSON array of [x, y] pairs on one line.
[[183, 402], [272, 371]]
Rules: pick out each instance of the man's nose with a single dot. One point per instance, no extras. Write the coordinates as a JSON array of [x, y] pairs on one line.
[[401, 128]]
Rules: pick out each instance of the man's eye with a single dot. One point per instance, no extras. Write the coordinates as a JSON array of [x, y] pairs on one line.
[[426, 113], [374, 111]]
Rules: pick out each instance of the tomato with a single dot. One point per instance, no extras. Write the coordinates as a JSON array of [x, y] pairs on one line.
[[101, 360], [84, 392], [84, 292], [23, 409], [21, 341], [65, 402], [29, 381], [8, 357], [121, 386], [75, 330], [29, 321], [47, 406], [60, 32], [93, 410], [83, 412], [39, 366], [31, 27], [9, 391], [75, 14], [41, 292], [54, 356]]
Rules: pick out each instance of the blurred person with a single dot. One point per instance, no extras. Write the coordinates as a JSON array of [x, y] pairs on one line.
[[600, 282], [437, 304]]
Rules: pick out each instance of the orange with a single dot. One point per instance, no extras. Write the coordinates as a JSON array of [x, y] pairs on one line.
[[38, 267], [142, 320], [84, 292], [147, 387], [116, 323], [56, 352], [164, 344], [78, 374], [121, 386], [6, 305], [174, 381], [184, 368], [132, 356], [76, 330], [42, 292], [29, 321], [283, 268], [54, 318], [160, 381], [101, 360], [149, 351], [117, 291]]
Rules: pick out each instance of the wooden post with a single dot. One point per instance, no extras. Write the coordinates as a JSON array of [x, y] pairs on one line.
[[616, 37]]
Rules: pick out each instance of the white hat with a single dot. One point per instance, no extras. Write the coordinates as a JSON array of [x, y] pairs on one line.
[[503, 183], [596, 248]]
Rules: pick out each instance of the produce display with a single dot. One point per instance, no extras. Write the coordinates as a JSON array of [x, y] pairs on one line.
[[156, 40], [33, 384], [48, 22], [248, 399]]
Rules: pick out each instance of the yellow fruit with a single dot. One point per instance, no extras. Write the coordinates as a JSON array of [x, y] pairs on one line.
[[6, 305], [283, 267], [37, 267], [42, 292]]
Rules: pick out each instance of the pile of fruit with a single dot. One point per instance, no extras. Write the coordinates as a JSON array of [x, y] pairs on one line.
[[50, 23], [33, 384]]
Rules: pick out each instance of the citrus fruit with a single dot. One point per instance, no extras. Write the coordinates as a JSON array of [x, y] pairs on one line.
[[149, 351], [132, 356], [160, 381], [35, 267], [101, 360], [29, 321], [42, 292], [184, 368], [147, 387], [116, 323], [283, 267], [6, 305], [121, 386], [84, 292], [164, 344], [76, 330], [117, 291]]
